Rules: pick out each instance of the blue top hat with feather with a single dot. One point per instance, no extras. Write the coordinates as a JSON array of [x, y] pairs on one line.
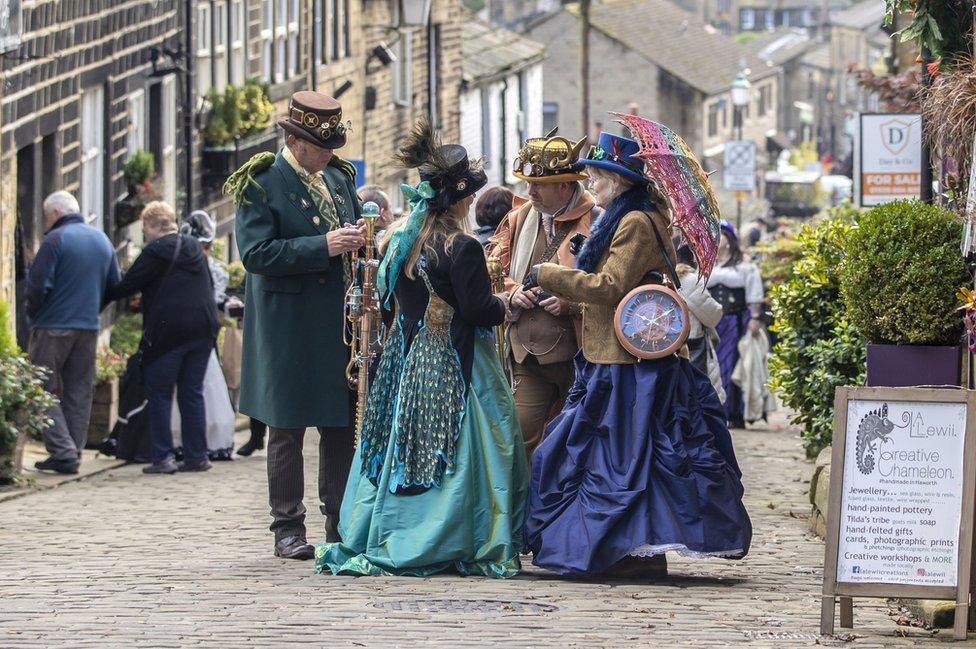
[[618, 154]]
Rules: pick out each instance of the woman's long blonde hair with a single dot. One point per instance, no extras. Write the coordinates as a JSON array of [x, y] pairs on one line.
[[444, 226]]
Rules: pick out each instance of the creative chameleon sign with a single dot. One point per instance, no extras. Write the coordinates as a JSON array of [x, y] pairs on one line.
[[900, 516]]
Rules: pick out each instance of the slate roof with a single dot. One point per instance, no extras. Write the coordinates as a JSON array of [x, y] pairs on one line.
[[780, 46], [867, 14], [818, 56], [489, 51], [676, 41]]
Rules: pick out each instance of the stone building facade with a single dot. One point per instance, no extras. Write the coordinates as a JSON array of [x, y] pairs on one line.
[[77, 97]]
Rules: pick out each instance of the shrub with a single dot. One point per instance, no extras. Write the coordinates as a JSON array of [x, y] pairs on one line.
[[901, 271], [777, 259], [109, 364], [138, 169], [238, 111], [235, 275], [8, 345], [23, 405], [126, 334], [818, 349]]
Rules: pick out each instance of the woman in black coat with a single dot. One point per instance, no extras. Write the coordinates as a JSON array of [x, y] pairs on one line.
[[179, 329]]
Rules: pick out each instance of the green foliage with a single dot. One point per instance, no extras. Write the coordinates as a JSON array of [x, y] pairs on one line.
[[235, 273], [818, 349], [109, 364], [901, 272], [126, 334], [139, 168], [23, 402], [8, 344], [238, 111], [944, 27], [777, 258], [803, 154]]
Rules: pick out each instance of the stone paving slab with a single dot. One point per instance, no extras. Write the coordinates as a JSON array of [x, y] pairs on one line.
[[127, 560]]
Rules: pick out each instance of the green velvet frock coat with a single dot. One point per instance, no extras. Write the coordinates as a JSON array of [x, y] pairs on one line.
[[294, 359]]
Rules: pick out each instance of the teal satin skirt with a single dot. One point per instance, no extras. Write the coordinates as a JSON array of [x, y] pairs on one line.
[[471, 524]]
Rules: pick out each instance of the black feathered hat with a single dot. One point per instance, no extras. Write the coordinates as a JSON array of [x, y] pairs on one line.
[[447, 167]]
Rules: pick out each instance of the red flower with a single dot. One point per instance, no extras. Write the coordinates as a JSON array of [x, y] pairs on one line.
[[933, 69]]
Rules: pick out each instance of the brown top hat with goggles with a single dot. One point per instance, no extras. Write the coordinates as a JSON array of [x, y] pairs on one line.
[[317, 119], [549, 159]]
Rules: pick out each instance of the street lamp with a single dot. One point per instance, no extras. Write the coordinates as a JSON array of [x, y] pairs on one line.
[[740, 99]]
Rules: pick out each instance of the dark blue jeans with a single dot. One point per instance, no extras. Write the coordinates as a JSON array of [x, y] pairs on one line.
[[184, 369]]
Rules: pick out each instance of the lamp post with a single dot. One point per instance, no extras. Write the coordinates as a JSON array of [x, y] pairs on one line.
[[740, 99]]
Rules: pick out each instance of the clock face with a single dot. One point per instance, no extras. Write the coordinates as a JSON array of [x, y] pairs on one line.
[[652, 322]]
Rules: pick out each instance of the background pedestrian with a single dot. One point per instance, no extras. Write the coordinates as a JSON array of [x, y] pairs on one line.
[[179, 330], [74, 267]]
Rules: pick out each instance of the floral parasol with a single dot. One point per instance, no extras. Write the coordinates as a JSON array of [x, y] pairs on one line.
[[670, 163]]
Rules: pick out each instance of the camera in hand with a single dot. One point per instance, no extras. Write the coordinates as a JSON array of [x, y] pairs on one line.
[[576, 243]]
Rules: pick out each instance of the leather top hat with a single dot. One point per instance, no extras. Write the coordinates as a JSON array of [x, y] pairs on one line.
[[316, 118], [616, 153], [550, 159]]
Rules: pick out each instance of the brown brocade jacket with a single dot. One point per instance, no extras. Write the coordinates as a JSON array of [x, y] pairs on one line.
[[634, 252]]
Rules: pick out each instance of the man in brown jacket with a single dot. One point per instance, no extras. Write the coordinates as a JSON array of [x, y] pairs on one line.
[[543, 331]]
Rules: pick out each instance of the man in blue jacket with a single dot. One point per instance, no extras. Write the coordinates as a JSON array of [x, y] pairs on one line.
[[65, 286]]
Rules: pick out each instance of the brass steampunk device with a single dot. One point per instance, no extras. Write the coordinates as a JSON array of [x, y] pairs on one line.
[[362, 310], [497, 275]]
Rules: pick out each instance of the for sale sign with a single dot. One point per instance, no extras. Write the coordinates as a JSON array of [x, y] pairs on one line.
[[889, 164]]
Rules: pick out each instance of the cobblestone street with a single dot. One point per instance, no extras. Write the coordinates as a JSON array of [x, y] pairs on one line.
[[121, 559]]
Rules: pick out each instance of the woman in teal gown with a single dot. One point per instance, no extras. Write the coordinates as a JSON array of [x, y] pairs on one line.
[[439, 479]]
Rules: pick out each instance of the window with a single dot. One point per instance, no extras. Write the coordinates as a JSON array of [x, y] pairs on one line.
[[204, 43], [337, 28], [402, 67], [281, 40], [433, 60], [723, 5], [764, 100], [136, 138], [486, 119], [770, 19], [550, 116], [93, 155], [221, 66], [167, 140], [238, 38], [713, 111], [725, 113], [747, 19], [523, 100], [294, 15], [267, 40]]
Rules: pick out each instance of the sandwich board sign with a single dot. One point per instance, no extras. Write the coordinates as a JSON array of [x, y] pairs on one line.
[[888, 160], [739, 168], [900, 511]]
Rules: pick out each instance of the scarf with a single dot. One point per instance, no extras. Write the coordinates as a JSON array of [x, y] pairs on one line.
[[401, 241], [601, 232], [525, 241]]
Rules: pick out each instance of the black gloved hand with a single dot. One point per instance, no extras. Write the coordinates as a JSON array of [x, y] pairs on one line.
[[532, 278]]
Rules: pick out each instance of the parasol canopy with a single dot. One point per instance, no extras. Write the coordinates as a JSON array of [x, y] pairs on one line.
[[669, 162]]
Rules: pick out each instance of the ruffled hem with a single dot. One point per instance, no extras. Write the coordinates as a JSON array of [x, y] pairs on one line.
[[647, 550], [360, 566]]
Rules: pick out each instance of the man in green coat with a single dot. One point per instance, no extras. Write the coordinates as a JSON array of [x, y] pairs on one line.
[[297, 224]]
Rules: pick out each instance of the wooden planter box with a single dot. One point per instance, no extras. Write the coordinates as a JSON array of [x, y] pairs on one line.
[[221, 161], [899, 366], [104, 414]]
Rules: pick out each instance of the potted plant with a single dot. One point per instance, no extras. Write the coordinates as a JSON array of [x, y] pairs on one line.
[[109, 366], [139, 174], [23, 402], [237, 128], [899, 278]]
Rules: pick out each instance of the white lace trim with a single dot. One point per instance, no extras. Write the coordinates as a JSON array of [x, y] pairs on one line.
[[652, 550]]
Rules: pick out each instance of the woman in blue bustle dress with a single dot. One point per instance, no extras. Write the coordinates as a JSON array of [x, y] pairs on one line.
[[640, 461], [439, 478]]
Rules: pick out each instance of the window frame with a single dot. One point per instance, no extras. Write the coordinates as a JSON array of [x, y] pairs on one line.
[[137, 132], [204, 51]]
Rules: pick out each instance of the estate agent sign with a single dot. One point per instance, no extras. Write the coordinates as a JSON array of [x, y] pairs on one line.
[[900, 518], [888, 164]]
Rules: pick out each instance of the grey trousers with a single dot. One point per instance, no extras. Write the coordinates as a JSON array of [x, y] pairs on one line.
[[70, 356], [286, 476]]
